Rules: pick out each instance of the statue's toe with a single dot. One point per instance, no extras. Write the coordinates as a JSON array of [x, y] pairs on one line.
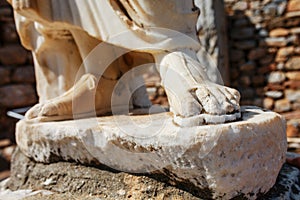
[[49, 109], [34, 111]]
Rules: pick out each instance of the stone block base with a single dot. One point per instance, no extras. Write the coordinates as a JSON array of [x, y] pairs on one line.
[[219, 161]]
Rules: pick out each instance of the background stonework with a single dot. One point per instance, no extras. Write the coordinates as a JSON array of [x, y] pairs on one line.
[[17, 82], [264, 38], [262, 45]]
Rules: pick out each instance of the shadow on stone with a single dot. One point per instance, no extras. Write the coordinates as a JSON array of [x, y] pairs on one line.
[[97, 179]]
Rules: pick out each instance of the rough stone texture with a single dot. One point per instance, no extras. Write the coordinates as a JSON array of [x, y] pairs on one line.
[[254, 17], [242, 5], [275, 87], [287, 185], [236, 55], [248, 67], [296, 105], [293, 14], [268, 103], [257, 53], [24, 75], [279, 32], [293, 5], [284, 53], [293, 127], [293, 75], [292, 95], [9, 34], [65, 180], [242, 33], [17, 95], [295, 30], [276, 77], [258, 80], [276, 42], [13, 55], [293, 63], [199, 155], [276, 30], [99, 181], [244, 45], [292, 84], [4, 76], [282, 105], [274, 94], [211, 27]]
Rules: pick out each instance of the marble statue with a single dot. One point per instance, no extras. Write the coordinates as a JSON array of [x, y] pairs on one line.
[[61, 34], [86, 55]]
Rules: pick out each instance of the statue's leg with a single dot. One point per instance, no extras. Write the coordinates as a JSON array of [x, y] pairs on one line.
[[193, 98], [92, 93], [82, 100], [55, 57], [86, 87]]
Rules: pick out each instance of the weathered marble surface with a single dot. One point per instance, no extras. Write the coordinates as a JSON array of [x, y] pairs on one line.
[[287, 184], [67, 180], [82, 49], [230, 159]]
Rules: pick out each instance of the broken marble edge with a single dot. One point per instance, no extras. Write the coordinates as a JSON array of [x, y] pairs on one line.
[[119, 145]]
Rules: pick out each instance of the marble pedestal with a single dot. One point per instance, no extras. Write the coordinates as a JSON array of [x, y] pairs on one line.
[[228, 160]]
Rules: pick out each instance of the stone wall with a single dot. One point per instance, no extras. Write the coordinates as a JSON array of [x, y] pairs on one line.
[[264, 38], [17, 80]]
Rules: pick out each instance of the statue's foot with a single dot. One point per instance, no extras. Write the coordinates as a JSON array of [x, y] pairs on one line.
[[216, 99], [49, 111], [213, 104], [193, 98], [82, 100]]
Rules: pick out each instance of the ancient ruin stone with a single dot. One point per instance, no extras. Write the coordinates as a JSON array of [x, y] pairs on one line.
[[257, 53], [13, 55], [9, 33], [292, 84], [284, 53], [236, 55], [276, 77], [24, 75], [242, 33], [66, 180], [275, 87], [292, 130], [293, 75], [295, 30], [258, 80], [268, 103], [241, 5], [276, 41], [293, 5], [4, 75], [292, 95], [293, 63], [282, 105], [274, 94], [279, 32], [13, 96], [244, 45], [291, 15], [200, 155]]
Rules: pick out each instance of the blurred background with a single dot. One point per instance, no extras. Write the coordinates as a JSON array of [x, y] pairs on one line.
[[255, 45]]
